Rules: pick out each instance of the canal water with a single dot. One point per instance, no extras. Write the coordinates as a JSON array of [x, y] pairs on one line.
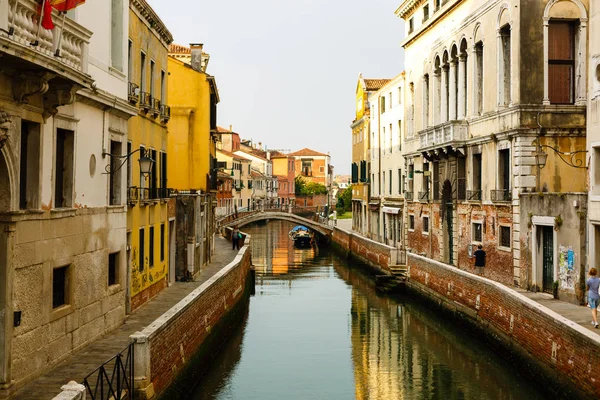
[[317, 329]]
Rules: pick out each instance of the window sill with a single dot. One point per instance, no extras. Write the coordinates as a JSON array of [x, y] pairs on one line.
[[505, 249], [63, 212], [425, 233], [113, 289], [117, 73], [61, 311]]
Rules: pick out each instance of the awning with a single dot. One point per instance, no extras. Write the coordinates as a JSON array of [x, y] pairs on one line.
[[390, 210]]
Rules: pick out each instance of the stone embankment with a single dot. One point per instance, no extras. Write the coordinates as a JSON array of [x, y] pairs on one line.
[[556, 351]]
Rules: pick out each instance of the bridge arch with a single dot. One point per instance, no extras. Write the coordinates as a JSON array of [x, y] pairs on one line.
[[321, 229]]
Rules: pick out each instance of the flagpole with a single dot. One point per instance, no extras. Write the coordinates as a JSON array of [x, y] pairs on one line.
[[37, 36], [62, 28]]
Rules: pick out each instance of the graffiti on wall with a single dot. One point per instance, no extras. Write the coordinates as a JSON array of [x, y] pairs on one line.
[[566, 268]]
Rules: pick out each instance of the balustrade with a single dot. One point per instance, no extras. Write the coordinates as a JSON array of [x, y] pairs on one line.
[[449, 132]]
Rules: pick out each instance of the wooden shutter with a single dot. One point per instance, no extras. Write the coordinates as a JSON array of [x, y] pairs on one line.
[[561, 62]]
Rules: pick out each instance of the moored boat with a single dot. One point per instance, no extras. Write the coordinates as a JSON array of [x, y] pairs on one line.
[[301, 236]]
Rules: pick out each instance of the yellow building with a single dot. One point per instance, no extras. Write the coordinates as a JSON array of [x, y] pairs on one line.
[[192, 131], [361, 152], [192, 161], [147, 216]]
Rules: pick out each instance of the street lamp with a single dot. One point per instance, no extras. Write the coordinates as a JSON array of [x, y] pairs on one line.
[[574, 159], [145, 161]]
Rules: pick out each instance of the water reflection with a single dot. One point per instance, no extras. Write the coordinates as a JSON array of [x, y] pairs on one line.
[[317, 329]]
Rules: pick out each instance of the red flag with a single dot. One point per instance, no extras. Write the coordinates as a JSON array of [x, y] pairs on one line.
[[45, 10], [66, 5]]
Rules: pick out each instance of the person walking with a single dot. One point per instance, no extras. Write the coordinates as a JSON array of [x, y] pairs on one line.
[[235, 238], [592, 285], [479, 256]]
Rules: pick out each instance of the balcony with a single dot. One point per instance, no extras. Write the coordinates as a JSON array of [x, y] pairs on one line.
[[133, 93], [424, 197], [165, 113], [500, 195], [474, 195], [155, 106], [146, 195], [145, 101], [447, 134], [409, 196]]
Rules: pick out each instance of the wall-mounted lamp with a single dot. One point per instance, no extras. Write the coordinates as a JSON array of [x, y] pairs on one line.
[[145, 161], [571, 158]]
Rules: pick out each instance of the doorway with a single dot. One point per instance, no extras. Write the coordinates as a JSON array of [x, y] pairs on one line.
[[447, 211], [171, 250], [547, 258]]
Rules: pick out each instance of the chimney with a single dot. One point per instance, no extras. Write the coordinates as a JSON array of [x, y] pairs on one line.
[[196, 49], [268, 155], [260, 145], [230, 128]]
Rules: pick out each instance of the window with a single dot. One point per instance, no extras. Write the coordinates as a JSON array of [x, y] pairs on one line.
[[390, 137], [561, 61], [321, 169], [399, 95], [130, 61], [142, 244], [113, 267], [505, 236], [426, 12], [411, 26], [425, 224], [63, 171], [425, 101], [390, 100], [383, 141], [477, 171], [152, 67], [478, 78], [30, 165], [162, 242], [477, 230], [115, 178], [129, 166], [143, 72], [504, 169], [163, 171], [399, 135], [151, 247], [116, 35], [390, 179], [504, 69], [382, 104], [382, 187], [163, 86], [399, 181], [142, 177], [596, 170], [307, 167], [60, 286], [411, 222]]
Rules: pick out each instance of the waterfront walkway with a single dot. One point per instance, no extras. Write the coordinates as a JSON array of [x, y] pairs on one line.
[[581, 315], [86, 360]]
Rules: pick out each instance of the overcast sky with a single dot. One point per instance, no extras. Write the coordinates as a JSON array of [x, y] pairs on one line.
[[287, 71]]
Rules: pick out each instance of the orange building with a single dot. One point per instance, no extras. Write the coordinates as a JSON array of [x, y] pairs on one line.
[[312, 166]]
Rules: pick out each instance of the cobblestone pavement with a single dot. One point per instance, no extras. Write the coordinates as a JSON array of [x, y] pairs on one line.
[[86, 360]]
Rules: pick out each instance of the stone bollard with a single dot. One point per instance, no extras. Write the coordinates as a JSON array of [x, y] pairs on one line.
[[71, 391]]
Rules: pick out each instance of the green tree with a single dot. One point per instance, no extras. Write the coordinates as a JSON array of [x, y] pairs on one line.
[[299, 184], [313, 188], [345, 199]]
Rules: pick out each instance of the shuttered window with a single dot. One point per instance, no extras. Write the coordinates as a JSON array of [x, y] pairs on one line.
[[561, 62]]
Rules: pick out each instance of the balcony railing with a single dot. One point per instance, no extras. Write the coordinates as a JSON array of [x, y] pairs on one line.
[[145, 101], [449, 132], [500, 195], [409, 196], [22, 37], [165, 113], [424, 197], [133, 93], [155, 106], [461, 193], [474, 195], [135, 194]]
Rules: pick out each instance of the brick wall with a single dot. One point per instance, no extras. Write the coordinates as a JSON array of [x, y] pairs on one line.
[[370, 252], [163, 349], [547, 344]]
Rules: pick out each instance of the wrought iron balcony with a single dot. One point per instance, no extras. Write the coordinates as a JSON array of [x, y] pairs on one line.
[[155, 106], [133, 195], [133, 93], [165, 113], [474, 195], [145, 101], [445, 134], [424, 197], [500, 195], [409, 196]]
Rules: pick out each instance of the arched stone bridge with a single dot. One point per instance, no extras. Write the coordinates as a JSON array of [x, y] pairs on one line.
[[248, 218]]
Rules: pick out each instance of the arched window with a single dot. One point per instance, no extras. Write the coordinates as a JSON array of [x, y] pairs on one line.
[[504, 57], [565, 44]]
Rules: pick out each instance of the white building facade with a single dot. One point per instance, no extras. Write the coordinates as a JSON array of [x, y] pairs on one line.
[[387, 162], [63, 240]]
